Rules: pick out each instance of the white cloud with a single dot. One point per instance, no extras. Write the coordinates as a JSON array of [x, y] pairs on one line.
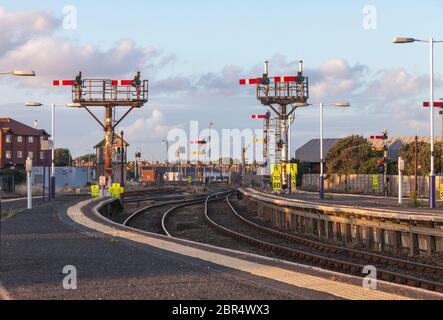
[[148, 129], [397, 84], [18, 27], [58, 58]]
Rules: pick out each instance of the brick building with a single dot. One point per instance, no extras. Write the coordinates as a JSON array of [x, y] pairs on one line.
[[19, 141], [116, 158]]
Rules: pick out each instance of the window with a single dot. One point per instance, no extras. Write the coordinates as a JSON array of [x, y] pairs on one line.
[[30, 139], [31, 154], [8, 154], [19, 154], [8, 138], [19, 139], [42, 155]]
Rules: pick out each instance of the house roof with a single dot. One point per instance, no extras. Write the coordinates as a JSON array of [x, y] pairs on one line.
[[310, 152], [18, 128], [117, 140]]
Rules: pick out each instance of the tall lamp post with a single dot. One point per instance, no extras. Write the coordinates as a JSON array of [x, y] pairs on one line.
[[322, 174], [33, 104], [431, 41], [17, 73], [209, 152]]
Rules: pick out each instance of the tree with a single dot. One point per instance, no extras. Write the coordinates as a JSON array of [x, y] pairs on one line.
[[423, 158], [62, 157], [352, 155], [86, 158]]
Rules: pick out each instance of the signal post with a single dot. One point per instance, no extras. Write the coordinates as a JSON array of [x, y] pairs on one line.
[[283, 95]]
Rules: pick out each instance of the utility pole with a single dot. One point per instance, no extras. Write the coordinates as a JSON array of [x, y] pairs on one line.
[[29, 181], [416, 167], [209, 153], [122, 160], [385, 140]]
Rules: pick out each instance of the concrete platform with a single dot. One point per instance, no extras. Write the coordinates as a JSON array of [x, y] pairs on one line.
[[376, 221], [266, 269]]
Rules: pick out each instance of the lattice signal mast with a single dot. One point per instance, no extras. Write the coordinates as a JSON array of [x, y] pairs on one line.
[[283, 95], [109, 94]]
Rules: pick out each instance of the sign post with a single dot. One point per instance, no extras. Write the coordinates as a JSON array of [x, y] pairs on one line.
[[102, 183], [292, 169], [29, 182], [375, 183], [95, 191], [276, 177], [401, 168]]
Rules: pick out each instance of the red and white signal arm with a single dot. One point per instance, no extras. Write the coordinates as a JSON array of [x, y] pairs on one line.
[[258, 116], [102, 181], [199, 142]]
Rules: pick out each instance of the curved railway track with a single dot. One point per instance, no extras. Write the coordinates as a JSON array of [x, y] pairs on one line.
[[337, 258]]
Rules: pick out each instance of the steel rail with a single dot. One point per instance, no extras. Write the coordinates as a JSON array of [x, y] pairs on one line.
[[343, 266]]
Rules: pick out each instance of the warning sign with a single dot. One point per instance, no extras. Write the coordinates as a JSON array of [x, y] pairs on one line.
[[95, 191], [375, 183], [276, 177], [441, 192], [116, 190], [292, 168], [102, 181]]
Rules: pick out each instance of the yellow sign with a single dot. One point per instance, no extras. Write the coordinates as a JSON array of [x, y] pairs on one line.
[[276, 169], [292, 168], [276, 177], [441, 192], [375, 183], [116, 190], [190, 179], [95, 191]]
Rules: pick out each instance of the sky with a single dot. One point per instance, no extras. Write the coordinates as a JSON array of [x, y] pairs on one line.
[[193, 53]]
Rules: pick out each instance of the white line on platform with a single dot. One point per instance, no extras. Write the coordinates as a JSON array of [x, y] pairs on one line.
[[19, 199]]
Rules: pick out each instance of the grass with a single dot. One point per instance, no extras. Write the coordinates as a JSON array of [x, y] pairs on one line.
[[6, 214], [414, 202]]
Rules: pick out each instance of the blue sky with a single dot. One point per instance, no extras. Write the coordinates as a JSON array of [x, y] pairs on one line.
[[200, 39]]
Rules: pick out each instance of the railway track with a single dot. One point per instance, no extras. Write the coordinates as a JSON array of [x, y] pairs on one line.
[[159, 212], [336, 258], [280, 244]]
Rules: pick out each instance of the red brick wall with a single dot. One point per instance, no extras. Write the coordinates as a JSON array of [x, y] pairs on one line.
[[25, 146]]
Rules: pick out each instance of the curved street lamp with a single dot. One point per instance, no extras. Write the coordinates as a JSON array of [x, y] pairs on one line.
[[20, 73], [17, 73], [33, 104], [322, 174], [431, 41]]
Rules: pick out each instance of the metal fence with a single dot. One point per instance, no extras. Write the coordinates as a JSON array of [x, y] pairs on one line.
[[7, 183], [362, 183]]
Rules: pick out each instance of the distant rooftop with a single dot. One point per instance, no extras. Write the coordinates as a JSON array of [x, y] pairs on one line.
[[10, 125]]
